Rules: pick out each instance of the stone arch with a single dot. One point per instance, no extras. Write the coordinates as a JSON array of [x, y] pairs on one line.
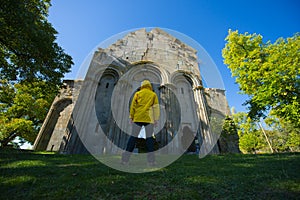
[[184, 84], [110, 70], [104, 90], [139, 71], [107, 81], [92, 112], [123, 93], [130, 81], [51, 132]]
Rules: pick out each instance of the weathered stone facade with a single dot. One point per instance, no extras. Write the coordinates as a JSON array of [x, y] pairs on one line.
[[99, 104], [53, 132]]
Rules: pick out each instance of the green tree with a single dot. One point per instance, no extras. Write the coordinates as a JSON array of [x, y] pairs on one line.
[[27, 43], [229, 140], [293, 142], [32, 65], [249, 143], [243, 123], [283, 135], [268, 73], [229, 127], [26, 108], [250, 137]]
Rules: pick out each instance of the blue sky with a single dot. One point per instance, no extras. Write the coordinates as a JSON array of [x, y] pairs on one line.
[[83, 24]]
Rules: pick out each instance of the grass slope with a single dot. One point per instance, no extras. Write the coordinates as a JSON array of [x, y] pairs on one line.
[[37, 175]]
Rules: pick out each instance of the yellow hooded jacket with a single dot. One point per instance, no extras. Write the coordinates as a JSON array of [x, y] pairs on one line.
[[144, 106]]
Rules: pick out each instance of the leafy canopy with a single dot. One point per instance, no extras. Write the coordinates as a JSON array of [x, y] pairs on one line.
[[23, 108], [283, 137], [268, 73], [31, 67], [28, 49]]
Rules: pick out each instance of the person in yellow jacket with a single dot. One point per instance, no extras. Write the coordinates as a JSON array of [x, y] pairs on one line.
[[144, 111]]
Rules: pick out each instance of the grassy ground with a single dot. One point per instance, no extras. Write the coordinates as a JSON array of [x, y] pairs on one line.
[[36, 175]]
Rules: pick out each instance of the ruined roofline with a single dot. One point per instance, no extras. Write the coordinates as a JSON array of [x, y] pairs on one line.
[[176, 40], [154, 31]]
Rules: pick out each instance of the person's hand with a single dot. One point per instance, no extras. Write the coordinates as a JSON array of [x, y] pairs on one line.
[[155, 123], [130, 121]]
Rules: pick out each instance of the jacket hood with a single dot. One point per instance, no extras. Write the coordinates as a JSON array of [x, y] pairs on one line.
[[146, 84]]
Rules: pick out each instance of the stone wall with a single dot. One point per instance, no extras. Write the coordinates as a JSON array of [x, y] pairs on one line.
[[158, 46], [218, 110], [89, 122], [55, 125]]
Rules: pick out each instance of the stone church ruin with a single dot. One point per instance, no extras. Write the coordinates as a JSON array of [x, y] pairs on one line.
[[92, 115]]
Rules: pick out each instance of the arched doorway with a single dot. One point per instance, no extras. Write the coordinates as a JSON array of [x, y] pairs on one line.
[[52, 132]]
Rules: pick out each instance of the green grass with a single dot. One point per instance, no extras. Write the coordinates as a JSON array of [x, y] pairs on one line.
[[38, 175]]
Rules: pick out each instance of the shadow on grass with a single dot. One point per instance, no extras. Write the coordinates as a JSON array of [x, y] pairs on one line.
[[36, 175]]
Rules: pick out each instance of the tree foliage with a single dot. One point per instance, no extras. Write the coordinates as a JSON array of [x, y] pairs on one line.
[[282, 136], [24, 107], [229, 140], [27, 43], [229, 127], [268, 73], [250, 137], [32, 65]]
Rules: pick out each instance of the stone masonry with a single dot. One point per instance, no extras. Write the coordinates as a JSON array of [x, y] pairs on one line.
[[91, 115]]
